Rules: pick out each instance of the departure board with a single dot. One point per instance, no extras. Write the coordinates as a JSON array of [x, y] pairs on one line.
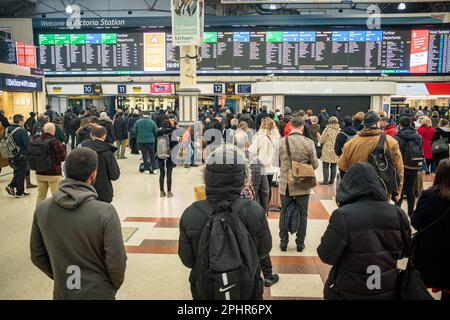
[[393, 51]]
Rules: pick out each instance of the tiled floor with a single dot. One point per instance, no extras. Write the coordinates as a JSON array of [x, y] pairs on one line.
[[150, 223]]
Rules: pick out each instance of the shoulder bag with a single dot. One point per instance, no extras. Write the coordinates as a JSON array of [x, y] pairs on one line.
[[300, 174]]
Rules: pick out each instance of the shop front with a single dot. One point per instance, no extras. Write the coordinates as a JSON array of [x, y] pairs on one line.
[[19, 94]]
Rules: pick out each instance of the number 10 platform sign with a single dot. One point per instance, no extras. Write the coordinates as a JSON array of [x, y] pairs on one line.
[[187, 22]]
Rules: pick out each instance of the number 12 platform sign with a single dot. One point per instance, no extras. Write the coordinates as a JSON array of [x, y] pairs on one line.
[[187, 22]]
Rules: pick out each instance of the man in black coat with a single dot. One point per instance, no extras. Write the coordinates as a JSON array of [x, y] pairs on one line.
[[405, 135], [121, 134], [347, 133], [364, 240], [132, 136], [68, 116], [263, 114], [223, 184], [108, 169]]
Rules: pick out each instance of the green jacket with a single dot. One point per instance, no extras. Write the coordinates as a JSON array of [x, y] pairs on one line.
[[145, 130]]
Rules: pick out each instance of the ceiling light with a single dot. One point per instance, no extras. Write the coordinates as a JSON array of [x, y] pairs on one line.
[[273, 6], [401, 6], [69, 9]]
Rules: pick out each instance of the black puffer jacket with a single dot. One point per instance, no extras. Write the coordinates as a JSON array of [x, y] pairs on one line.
[[108, 169], [131, 122], [246, 117], [405, 135], [432, 256], [107, 124], [223, 182], [341, 138], [365, 231]]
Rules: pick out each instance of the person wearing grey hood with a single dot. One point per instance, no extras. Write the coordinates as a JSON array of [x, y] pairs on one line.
[[76, 240]]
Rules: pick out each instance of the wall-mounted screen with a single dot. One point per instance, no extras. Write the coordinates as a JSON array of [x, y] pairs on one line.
[[389, 51]]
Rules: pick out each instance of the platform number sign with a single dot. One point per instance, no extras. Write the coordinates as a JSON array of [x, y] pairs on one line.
[[88, 89], [218, 88], [121, 89]]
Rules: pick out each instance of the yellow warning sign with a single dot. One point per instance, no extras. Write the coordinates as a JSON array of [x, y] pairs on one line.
[[155, 51]]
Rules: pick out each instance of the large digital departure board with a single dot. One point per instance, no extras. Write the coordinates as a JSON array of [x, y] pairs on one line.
[[389, 51]]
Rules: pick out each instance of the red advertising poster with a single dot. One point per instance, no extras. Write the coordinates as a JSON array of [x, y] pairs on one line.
[[26, 55], [419, 51], [161, 88]]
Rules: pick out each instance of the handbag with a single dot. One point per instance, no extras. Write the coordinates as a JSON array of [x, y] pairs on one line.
[[319, 150], [300, 174], [410, 285]]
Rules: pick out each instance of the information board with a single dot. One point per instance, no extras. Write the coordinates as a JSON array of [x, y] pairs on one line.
[[389, 51]]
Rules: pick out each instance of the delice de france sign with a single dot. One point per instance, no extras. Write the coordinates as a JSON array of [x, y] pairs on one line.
[[187, 22]]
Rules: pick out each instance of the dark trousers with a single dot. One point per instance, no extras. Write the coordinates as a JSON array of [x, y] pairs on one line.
[[409, 188], [73, 137], [266, 266], [302, 203], [148, 150], [67, 131], [162, 174], [326, 172], [133, 145], [270, 178], [428, 165], [18, 180]]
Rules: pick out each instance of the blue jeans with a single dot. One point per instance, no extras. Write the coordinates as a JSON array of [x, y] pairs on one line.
[[148, 150], [18, 180]]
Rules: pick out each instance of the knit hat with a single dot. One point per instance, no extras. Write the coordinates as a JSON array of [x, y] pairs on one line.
[[287, 111], [371, 118]]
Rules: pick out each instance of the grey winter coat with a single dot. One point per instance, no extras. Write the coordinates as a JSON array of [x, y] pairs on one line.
[[74, 229]]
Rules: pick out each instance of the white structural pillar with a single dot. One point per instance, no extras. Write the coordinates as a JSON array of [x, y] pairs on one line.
[[188, 92], [381, 103]]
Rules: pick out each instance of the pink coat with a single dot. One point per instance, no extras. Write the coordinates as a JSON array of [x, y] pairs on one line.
[[427, 134]]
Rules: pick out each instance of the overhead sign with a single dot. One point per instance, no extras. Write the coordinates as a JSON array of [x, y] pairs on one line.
[[155, 51], [187, 22], [137, 89], [121, 89], [20, 83], [161, 88], [230, 89], [97, 89], [218, 88], [244, 88], [26, 55], [37, 72], [88, 89]]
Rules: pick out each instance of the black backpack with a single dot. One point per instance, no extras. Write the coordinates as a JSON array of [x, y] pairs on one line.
[[39, 154], [440, 147], [227, 261], [413, 155], [384, 165]]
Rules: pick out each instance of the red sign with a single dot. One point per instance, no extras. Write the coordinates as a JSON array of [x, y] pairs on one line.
[[161, 88], [419, 51], [26, 55], [438, 88]]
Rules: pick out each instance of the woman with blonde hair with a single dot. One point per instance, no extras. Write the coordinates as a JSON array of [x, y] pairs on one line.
[[427, 133], [329, 157], [265, 148]]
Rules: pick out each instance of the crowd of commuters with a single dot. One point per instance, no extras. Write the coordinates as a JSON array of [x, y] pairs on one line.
[[268, 151]]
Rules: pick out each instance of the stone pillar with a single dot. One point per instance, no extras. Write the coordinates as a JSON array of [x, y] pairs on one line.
[[188, 92]]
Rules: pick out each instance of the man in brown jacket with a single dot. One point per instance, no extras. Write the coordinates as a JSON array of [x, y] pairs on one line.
[[358, 149], [303, 151]]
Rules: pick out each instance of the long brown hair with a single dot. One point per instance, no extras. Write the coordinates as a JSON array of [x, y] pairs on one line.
[[442, 179]]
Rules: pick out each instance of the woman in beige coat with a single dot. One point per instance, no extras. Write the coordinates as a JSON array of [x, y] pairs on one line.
[[329, 157]]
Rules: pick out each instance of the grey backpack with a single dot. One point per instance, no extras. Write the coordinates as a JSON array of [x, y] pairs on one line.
[[8, 146], [163, 147]]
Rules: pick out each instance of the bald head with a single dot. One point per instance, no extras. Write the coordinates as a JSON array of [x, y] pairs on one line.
[[49, 128]]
